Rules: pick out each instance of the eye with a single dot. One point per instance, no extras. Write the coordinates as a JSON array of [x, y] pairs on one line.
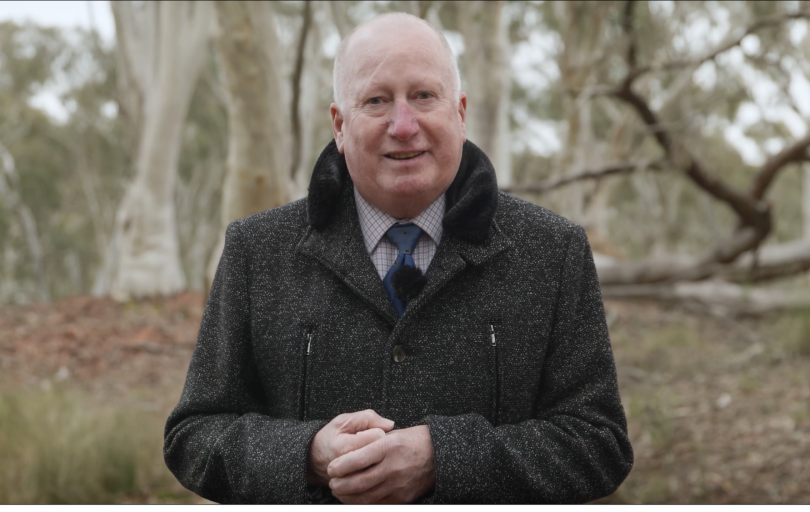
[[375, 101], [424, 96]]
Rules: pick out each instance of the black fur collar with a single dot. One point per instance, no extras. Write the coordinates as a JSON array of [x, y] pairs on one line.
[[470, 203]]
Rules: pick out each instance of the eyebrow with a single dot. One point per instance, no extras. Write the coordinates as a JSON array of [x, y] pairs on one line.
[[423, 83]]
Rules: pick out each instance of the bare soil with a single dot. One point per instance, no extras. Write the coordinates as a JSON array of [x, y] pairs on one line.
[[718, 409]]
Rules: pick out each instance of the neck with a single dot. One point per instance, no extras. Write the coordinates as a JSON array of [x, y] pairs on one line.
[[401, 210]]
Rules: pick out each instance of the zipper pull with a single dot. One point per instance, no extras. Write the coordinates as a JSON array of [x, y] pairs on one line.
[[492, 334], [309, 343]]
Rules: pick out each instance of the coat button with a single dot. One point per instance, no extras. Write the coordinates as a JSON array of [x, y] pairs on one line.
[[399, 354]]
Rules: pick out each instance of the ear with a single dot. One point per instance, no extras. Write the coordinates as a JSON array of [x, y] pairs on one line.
[[337, 126], [462, 113]]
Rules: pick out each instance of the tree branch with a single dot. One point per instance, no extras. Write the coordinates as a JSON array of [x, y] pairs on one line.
[[731, 43], [295, 115], [750, 211], [798, 152], [627, 27], [770, 262], [754, 214], [715, 297], [597, 174]]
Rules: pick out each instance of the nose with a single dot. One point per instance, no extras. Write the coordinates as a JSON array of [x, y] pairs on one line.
[[403, 123]]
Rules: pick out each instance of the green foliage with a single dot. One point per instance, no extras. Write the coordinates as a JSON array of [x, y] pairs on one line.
[[27, 57], [59, 448], [71, 172]]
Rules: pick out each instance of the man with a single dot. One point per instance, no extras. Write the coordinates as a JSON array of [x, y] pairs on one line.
[[329, 367]]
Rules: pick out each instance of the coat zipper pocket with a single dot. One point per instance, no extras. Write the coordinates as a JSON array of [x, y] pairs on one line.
[[306, 372], [494, 347]]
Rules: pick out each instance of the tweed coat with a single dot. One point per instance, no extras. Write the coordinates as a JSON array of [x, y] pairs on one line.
[[506, 352]]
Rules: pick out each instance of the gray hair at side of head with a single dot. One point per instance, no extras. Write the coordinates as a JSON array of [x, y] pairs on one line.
[[337, 71]]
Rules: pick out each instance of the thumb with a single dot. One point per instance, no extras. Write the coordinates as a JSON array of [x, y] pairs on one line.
[[362, 438], [365, 420]]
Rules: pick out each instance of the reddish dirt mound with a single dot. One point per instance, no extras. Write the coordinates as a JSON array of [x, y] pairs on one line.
[[92, 341]]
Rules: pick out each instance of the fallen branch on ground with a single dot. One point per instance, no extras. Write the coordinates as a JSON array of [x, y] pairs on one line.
[[716, 297]]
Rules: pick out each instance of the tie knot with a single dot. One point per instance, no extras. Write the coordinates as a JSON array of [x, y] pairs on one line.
[[404, 236]]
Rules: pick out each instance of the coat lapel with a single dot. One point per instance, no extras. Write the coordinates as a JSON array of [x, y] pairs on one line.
[[452, 257], [339, 247]]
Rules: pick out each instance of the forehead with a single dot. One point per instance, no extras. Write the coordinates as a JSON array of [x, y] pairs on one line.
[[410, 52]]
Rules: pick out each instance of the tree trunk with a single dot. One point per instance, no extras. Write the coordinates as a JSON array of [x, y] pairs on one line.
[[258, 166], [9, 192], [582, 26], [806, 201], [488, 71], [316, 78], [163, 47], [340, 17]]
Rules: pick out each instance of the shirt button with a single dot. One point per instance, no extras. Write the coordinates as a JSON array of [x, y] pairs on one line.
[[399, 354]]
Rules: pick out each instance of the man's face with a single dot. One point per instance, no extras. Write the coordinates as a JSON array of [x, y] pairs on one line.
[[401, 127]]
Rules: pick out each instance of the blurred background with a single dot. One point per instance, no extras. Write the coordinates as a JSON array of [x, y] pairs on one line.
[[677, 133]]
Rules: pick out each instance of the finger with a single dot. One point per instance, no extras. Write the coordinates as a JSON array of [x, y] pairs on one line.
[[345, 443], [391, 499], [381, 492], [364, 420], [360, 481], [358, 459]]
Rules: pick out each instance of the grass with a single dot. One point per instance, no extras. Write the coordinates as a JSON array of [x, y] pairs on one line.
[[796, 334], [58, 447], [690, 448]]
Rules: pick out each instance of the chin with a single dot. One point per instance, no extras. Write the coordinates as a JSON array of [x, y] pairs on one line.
[[410, 186]]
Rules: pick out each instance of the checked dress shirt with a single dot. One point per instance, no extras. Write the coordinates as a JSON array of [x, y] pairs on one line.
[[374, 223]]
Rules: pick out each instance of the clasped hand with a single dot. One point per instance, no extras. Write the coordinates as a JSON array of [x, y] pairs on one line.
[[363, 460]]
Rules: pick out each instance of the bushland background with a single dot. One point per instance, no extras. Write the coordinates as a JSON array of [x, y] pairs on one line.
[[676, 133]]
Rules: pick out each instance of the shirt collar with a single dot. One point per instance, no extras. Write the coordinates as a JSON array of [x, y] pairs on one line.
[[374, 223]]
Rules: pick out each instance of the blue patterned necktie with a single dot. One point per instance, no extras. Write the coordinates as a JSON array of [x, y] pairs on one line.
[[405, 237]]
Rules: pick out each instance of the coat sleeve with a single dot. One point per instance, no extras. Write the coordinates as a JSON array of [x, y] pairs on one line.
[[576, 447], [219, 441]]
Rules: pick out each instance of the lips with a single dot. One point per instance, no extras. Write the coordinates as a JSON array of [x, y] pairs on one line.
[[404, 155]]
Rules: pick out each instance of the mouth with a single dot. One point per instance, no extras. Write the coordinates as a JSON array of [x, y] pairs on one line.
[[404, 155]]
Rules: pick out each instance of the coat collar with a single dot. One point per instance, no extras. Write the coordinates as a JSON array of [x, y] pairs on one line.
[[471, 235], [471, 200]]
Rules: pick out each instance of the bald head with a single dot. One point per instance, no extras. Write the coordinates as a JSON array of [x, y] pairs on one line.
[[390, 26]]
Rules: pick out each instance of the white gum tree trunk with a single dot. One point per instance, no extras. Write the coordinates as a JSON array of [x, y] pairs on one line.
[[484, 26], [163, 47], [10, 194], [581, 37], [258, 175], [316, 78], [806, 201]]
